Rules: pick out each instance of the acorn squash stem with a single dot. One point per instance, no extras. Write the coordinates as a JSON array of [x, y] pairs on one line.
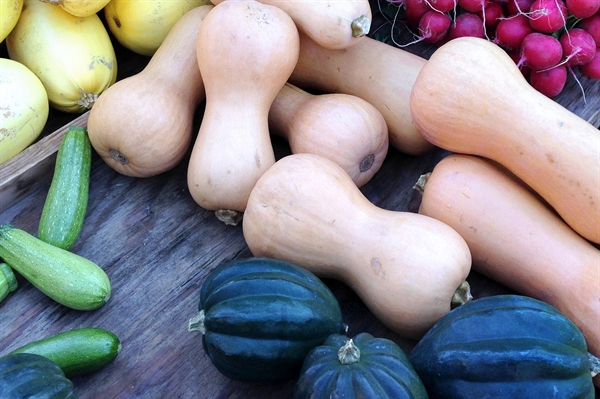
[[462, 295], [349, 353], [196, 323], [594, 365]]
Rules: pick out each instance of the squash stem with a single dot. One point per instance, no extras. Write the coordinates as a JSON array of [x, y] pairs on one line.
[[462, 295], [420, 184], [361, 26], [196, 323], [594, 365], [349, 353], [229, 217]]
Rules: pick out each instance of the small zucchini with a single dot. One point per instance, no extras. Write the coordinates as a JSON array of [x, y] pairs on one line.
[[67, 199], [78, 351], [66, 277], [8, 281]]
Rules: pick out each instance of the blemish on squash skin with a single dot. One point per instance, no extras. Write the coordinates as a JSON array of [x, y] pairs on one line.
[[377, 267], [257, 160]]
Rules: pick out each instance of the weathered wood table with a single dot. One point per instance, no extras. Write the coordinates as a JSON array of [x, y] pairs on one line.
[[157, 246]]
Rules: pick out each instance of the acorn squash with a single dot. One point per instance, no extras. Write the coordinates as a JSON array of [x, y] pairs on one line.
[[505, 346], [260, 317], [362, 367], [27, 375]]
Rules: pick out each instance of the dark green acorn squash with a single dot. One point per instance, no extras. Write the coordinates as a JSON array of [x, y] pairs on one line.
[[260, 317], [362, 367], [504, 346], [27, 375]]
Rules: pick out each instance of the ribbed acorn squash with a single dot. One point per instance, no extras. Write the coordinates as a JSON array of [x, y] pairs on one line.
[[260, 317], [504, 346], [27, 375], [360, 367]]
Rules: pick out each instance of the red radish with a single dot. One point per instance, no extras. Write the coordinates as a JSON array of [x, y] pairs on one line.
[[518, 7], [540, 51], [434, 26], [548, 16], [442, 5], [549, 82], [591, 70], [415, 9], [472, 5], [592, 26], [466, 24], [493, 13], [511, 32], [582, 8], [578, 46]]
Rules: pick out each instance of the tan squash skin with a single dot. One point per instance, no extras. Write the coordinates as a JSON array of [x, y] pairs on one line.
[[404, 266], [143, 125], [344, 128], [479, 103], [246, 52], [386, 83], [333, 24], [516, 239]]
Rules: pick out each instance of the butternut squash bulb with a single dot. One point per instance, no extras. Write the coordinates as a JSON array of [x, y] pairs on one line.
[[10, 10], [332, 24], [79, 8], [246, 51], [72, 56], [377, 72], [142, 25], [471, 98], [405, 267], [24, 108], [142, 125], [344, 128]]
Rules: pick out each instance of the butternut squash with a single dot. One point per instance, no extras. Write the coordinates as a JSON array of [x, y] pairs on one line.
[[405, 267], [332, 24], [143, 124], [344, 128], [471, 98], [142, 25], [246, 51], [73, 57], [516, 239], [377, 72]]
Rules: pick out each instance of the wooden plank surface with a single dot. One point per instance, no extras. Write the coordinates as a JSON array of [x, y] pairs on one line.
[[157, 246]]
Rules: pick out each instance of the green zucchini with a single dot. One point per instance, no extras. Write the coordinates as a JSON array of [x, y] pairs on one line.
[[8, 281], [78, 351], [66, 203], [64, 276]]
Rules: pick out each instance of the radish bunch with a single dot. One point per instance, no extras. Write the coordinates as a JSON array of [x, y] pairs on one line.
[[547, 39]]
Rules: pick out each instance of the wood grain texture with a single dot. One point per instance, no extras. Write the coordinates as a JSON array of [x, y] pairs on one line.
[[157, 246]]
